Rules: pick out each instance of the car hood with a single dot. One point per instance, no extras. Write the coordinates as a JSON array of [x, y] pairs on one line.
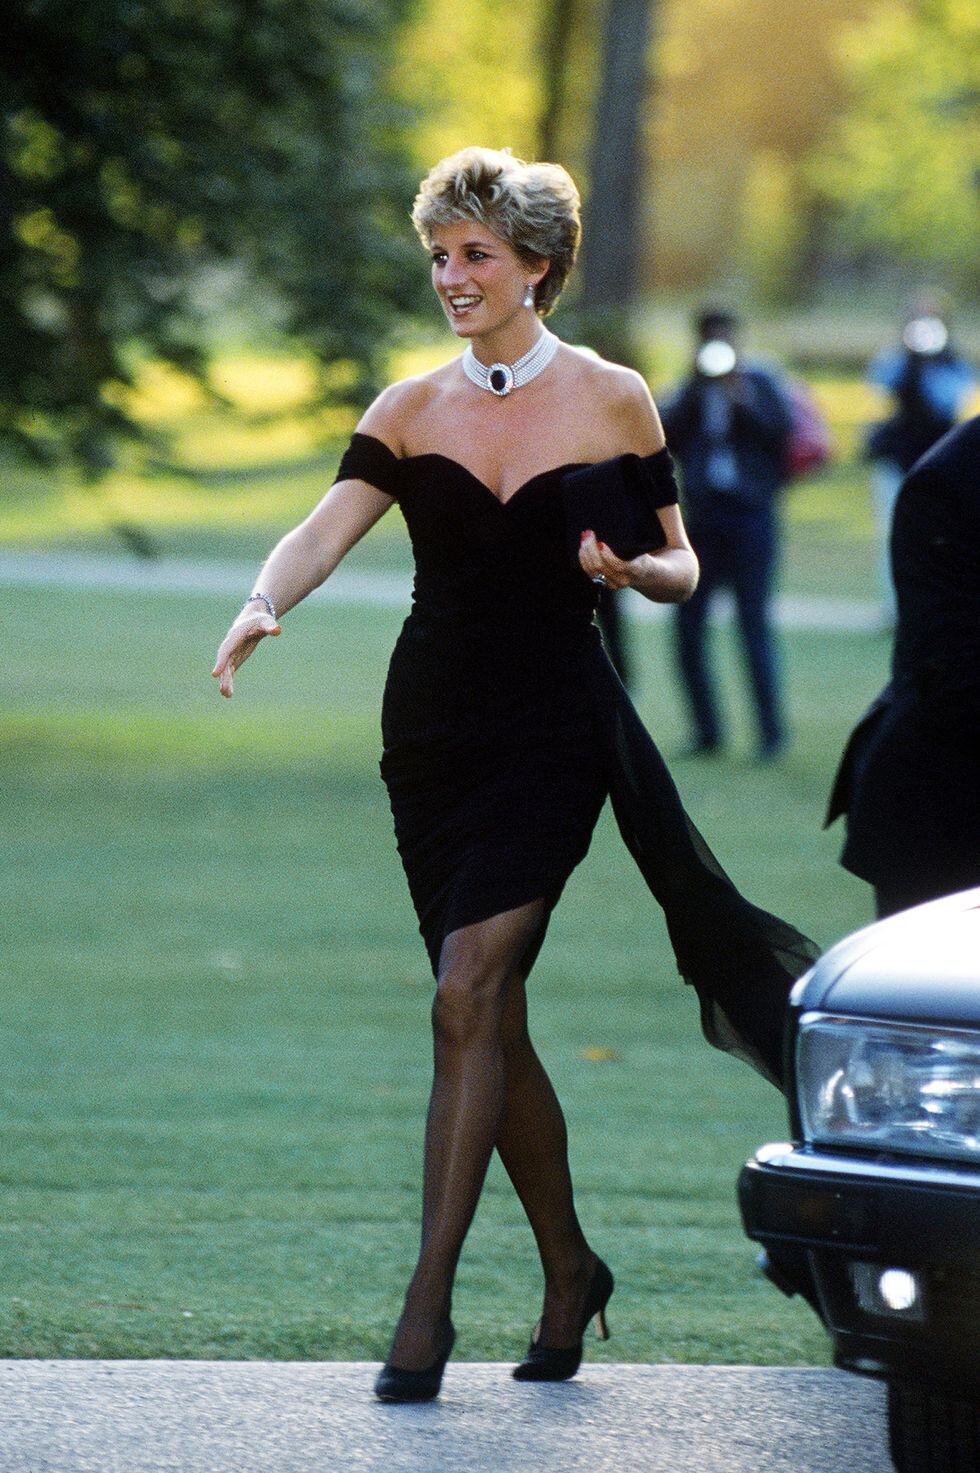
[[920, 966]]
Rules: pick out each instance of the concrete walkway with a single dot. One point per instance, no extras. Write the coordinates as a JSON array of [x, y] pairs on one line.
[[299, 1417], [391, 590]]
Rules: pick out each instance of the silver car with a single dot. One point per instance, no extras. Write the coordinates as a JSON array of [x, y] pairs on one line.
[[872, 1212]]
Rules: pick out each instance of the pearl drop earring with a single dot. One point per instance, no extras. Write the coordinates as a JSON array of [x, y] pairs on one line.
[[529, 295]]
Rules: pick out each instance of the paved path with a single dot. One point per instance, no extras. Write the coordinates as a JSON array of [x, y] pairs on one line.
[[392, 590], [299, 1417]]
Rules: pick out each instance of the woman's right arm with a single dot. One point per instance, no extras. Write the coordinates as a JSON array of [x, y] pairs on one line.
[[304, 558], [308, 554]]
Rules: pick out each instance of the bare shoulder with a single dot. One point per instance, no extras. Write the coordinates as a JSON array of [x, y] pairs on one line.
[[621, 402], [401, 405]]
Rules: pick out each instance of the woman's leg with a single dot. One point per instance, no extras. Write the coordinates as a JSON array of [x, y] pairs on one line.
[[479, 967], [693, 656], [533, 1145], [752, 584]]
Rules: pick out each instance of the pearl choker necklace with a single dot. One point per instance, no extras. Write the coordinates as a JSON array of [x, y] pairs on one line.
[[501, 378]]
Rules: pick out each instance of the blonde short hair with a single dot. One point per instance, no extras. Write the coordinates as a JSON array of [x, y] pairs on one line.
[[535, 208]]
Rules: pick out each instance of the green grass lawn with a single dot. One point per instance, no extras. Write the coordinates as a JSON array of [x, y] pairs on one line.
[[214, 1050]]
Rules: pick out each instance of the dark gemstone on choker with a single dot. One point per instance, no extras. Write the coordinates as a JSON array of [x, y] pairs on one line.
[[503, 378]]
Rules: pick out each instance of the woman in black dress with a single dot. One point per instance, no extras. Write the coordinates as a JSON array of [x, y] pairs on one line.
[[504, 727]]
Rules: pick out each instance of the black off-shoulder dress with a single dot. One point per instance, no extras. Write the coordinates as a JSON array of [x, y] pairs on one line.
[[505, 727]]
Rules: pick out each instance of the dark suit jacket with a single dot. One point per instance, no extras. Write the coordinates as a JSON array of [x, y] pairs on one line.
[[909, 780]]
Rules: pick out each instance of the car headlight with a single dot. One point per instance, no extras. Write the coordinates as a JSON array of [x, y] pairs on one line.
[[889, 1086]]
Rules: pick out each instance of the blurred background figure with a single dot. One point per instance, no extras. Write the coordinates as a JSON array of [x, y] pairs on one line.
[[909, 780], [929, 383], [728, 426]]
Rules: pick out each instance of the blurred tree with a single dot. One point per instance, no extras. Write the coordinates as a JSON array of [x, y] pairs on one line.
[[144, 141], [903, 164], [773, 228], [745, 90], [513, 76], [611, 229], [470, 71], [557, 31]]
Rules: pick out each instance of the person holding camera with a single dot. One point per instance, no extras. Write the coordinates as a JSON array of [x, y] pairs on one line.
[[929, 384], [728, 426]]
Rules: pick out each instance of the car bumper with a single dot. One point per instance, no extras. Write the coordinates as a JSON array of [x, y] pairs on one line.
[[831, 1225]]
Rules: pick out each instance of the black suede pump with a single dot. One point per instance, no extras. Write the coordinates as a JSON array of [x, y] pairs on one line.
[[395, 1384], [552, 1363]]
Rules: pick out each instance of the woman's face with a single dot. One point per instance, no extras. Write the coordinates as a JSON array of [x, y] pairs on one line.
[[478, 278]]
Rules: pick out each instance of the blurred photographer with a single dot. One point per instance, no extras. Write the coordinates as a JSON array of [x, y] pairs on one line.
[[728, 426], [929, 384]]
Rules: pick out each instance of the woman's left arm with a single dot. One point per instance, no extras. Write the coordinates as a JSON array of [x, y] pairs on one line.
[[669, 575]]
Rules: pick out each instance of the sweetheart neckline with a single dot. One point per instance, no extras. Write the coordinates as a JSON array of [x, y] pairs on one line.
[[501, 501]]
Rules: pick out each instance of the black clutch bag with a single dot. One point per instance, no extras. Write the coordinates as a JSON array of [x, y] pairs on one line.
[[617, 499]]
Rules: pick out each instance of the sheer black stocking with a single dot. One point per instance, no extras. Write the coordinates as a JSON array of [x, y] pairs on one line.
[[533, 1145], [490, 1089]]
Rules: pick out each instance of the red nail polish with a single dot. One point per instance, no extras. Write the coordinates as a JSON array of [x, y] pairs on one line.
[[588, 533]]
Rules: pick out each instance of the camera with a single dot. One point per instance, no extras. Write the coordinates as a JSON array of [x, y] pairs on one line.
[[925, 336], [715, 359]]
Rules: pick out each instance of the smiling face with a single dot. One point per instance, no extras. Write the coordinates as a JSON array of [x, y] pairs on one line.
[[479, 279]]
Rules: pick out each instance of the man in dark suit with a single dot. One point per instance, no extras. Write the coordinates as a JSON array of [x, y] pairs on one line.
[[728, 426], [909, 780]]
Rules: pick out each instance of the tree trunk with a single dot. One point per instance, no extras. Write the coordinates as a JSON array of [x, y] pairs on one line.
[[557, 23], [612, 233]]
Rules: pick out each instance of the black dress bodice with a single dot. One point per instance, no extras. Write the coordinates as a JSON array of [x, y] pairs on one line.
[[499, 616], [480, 558]]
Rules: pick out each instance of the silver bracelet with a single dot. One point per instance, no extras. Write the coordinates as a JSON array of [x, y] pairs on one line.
[[264, 598]]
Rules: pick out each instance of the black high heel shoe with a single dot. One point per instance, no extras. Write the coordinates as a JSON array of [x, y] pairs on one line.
[[551, 1363], [395, 1384]]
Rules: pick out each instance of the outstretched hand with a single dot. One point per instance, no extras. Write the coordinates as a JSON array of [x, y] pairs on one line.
[[238, 644]]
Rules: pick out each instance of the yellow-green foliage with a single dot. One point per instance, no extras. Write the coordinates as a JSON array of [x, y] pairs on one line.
[[772, 230], [744, 90], [741, 94], [471, 71], [902, 163]]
